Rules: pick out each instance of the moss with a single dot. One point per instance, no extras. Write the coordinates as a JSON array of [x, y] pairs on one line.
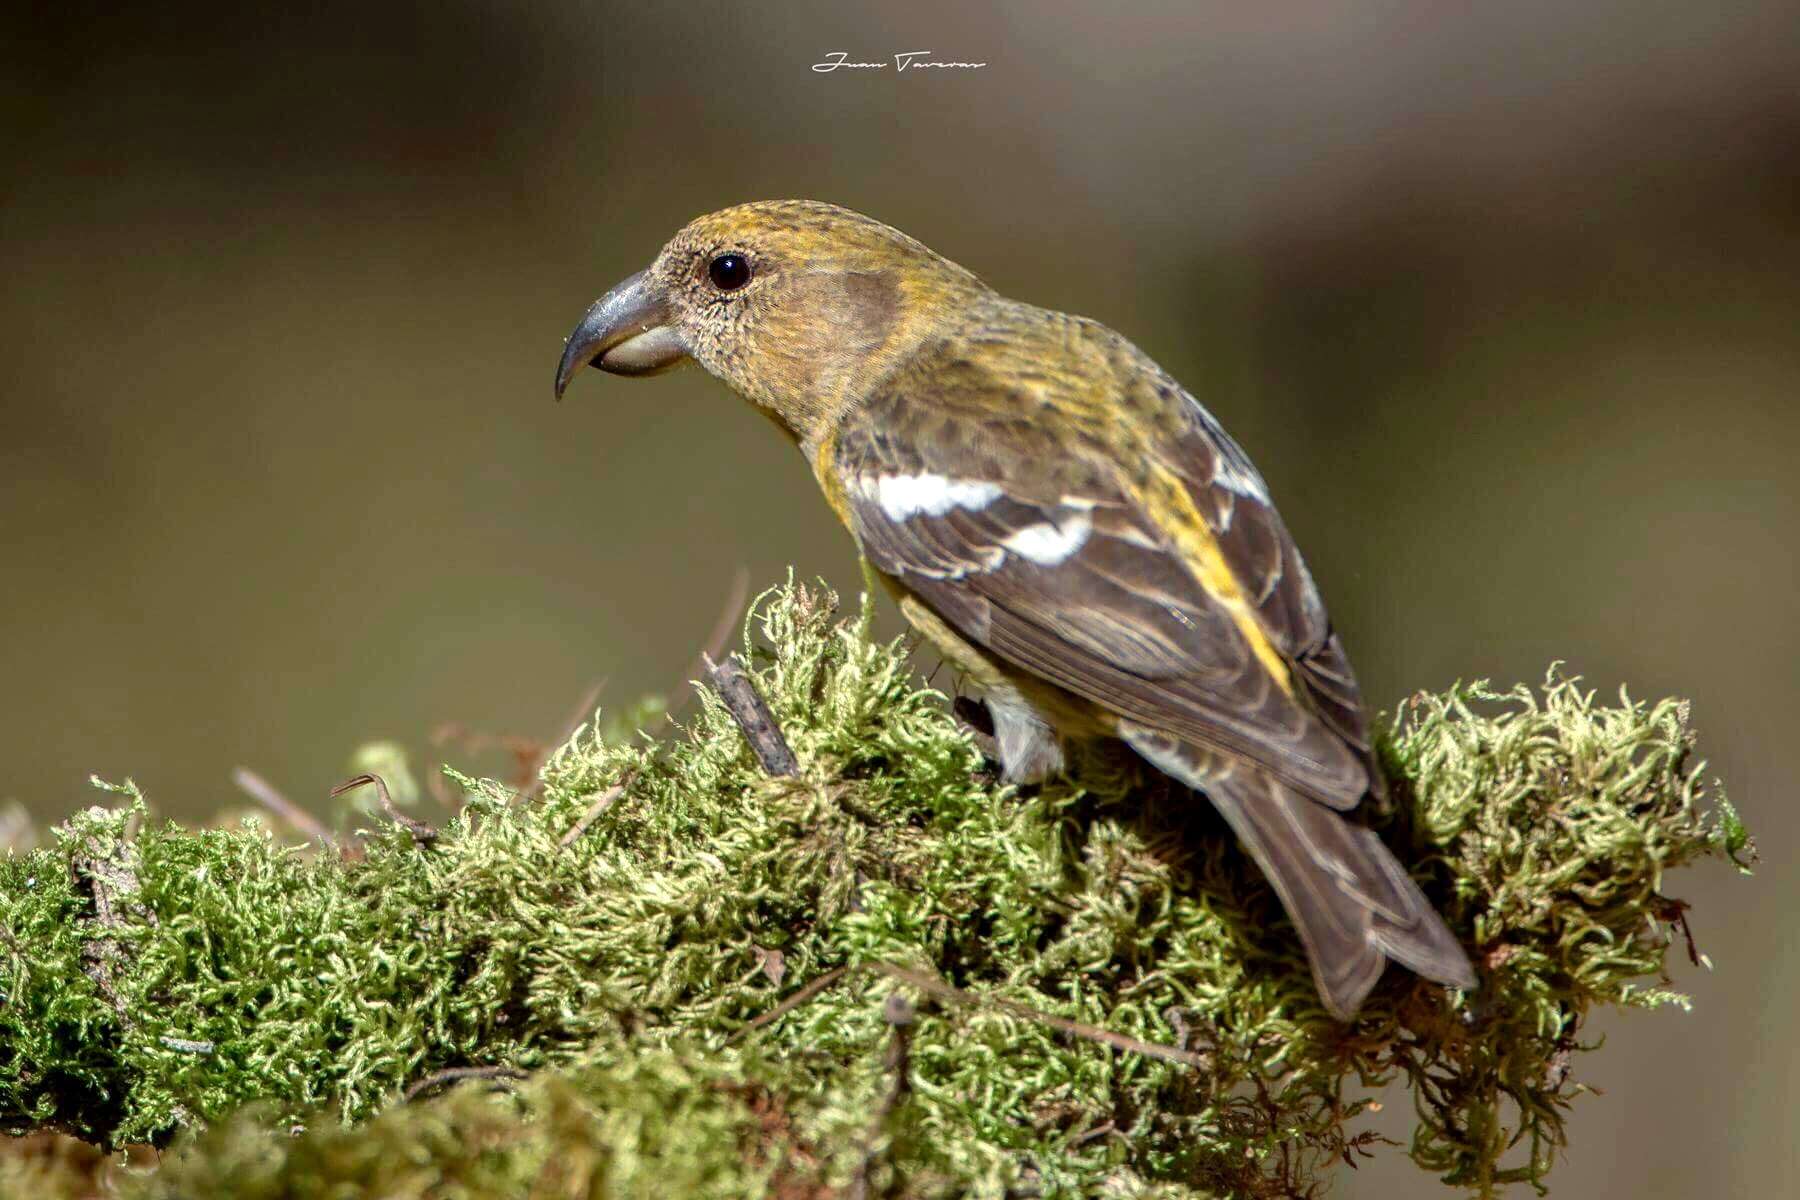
[[257, 987]]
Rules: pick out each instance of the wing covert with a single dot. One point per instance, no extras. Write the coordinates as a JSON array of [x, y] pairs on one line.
[[1234, 501], [1050, 566]]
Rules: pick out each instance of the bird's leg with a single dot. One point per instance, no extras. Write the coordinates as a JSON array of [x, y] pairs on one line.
[[1010, 731], [1024, 738], [1030, 750], [978, 723]]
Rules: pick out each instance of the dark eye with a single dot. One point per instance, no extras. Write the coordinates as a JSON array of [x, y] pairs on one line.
[[729, 272]]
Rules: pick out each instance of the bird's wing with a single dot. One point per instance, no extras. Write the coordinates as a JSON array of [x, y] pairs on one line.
[[1007, 522], [1234, 503]]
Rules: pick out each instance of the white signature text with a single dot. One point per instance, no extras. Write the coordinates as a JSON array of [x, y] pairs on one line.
[[906, 60]]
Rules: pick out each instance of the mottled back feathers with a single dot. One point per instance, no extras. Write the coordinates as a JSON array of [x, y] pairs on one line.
[[1025, 524]]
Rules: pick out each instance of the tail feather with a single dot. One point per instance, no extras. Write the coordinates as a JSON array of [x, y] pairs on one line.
[[1352, 901]]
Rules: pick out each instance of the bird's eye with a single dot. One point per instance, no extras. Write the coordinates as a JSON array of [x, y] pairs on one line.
[[729, 272]]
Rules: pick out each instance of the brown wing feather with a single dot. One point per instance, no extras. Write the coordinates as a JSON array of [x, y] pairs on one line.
[[1235, 503], [1352, 901], [1119, 620], [1020, 535]]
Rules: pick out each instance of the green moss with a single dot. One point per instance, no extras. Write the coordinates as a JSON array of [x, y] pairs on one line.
[[656, 1124], [624, 970]]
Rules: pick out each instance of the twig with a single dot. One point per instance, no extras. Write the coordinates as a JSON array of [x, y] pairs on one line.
[[1091, 1033], [15, 827], [457, 1074], [12, 943], [584, 712], [1104, 1129], [898, 1011], [270, 797], [943, 991], [526, 752], [600, 805], [715, 641], [422, 834], [751, 712], [808, 990], [108, 876]]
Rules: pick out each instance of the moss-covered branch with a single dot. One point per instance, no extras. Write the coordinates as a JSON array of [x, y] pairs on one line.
[[242, 987]]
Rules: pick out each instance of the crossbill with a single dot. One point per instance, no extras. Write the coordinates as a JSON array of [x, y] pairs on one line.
[[1066, 524]]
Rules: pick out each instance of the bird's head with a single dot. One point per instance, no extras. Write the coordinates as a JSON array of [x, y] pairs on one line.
[[798, 306]]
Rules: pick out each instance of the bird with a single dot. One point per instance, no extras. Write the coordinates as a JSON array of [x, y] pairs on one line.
[[1064, 523]]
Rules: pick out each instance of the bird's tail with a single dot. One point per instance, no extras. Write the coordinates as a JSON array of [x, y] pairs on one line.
[[1354, 904]]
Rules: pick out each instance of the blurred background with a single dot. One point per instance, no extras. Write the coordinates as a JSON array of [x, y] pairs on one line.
[[1504, 301]]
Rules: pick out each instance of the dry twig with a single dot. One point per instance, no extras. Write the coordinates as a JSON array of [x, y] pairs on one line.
[[422, 833], [808, 990], [108, 877], [943, 991], [270, 797], [450, 1075], [603, 802], [1091, 1033], [584, 712], [900, 1016], [715, 642], [751, 712]]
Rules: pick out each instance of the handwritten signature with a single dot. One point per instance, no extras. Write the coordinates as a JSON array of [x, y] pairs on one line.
[[906, 60]]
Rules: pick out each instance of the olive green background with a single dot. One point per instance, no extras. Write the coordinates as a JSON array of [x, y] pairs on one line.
[[1505, 304]]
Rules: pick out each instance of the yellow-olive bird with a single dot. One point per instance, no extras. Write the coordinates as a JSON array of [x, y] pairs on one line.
[[1066, 524]]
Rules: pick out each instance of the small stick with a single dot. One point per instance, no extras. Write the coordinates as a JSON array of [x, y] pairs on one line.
[[899, 1014], [1675, 912], [270, 797], [606, 801], [1092, 1033], [811, 988], [584, 712], [751, 712], [456, 1074], [1104, 1129], [107, 874], [12, 943], [715, 641], [421, 832], [942, 990], [15, 827]]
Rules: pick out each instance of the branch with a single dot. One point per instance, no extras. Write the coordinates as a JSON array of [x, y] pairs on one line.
[[270, 797], [751, 712], [422, 833]]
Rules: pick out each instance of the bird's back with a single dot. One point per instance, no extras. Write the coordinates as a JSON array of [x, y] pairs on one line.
[[1048, 406]]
